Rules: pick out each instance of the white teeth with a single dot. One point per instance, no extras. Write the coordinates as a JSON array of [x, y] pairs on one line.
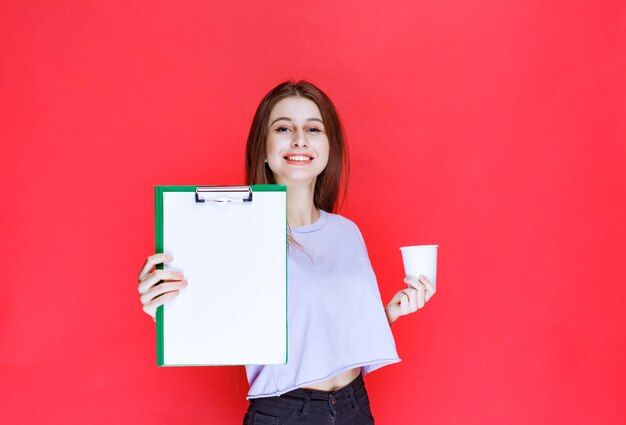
[[298, 158]]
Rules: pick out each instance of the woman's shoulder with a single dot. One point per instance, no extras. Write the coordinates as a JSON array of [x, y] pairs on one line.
[[347, 229], [340, 220]]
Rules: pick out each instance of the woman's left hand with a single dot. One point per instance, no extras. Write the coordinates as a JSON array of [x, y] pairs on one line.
[[411, 299]]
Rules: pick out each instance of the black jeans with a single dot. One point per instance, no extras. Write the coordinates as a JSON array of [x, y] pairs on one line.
[[346, 406]]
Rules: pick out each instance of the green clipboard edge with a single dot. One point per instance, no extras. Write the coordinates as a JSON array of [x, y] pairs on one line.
[[158, 222]]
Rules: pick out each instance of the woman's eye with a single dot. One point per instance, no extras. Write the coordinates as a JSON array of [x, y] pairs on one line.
[[281, 129], [315, 130]]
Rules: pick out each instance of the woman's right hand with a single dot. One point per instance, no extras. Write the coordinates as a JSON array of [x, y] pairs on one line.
[[158, 286]]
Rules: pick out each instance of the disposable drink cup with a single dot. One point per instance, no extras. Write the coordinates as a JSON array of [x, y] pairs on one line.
[[420, 260]]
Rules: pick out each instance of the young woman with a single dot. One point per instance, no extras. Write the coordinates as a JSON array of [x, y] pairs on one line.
[[338, 327]]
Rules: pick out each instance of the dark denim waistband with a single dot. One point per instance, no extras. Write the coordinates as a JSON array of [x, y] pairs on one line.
[[338, 399], [343, 392]]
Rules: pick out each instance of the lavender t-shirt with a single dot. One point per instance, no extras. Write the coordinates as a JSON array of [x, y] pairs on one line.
[[336, 319]]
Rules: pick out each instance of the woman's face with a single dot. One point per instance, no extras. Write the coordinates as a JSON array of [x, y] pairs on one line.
[[297, 144]]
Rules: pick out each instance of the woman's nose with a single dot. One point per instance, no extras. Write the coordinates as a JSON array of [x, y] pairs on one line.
[[299, 139]]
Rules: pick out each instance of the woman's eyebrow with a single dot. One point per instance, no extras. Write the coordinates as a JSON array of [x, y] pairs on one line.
[[289, 119]]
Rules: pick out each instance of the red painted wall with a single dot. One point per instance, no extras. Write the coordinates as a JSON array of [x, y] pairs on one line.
[[494, 129]]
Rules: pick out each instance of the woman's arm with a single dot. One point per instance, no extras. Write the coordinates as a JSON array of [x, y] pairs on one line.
[[390, 317]]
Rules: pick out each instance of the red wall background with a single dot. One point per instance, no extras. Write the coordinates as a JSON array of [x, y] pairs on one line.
[[494, 129]]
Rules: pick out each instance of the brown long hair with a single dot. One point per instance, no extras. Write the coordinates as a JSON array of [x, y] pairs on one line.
[[331, 185]]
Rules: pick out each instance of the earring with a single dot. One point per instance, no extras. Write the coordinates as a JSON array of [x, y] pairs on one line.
[[266, 161]]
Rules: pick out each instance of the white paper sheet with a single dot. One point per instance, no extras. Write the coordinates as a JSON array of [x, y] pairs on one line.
[[234, 310]]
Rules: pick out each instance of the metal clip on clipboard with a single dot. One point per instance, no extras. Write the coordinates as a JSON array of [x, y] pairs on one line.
[[223, 194]]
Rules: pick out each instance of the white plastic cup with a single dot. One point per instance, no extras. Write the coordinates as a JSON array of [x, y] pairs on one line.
[[420, 260]]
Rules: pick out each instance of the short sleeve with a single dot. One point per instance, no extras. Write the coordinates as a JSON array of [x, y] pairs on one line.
[[366, 265], [361, 241]]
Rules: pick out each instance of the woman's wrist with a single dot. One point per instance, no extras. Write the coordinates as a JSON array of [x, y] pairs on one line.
[[390, 317]]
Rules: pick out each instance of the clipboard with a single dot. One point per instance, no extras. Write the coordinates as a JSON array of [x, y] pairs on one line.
[[231, 244]]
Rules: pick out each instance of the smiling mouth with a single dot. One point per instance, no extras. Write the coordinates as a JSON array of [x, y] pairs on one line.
[[298, 159]]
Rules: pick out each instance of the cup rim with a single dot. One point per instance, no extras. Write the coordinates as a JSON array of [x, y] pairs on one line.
[[418, 246]]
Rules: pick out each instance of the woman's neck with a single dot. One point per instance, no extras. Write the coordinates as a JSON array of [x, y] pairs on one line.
[[301, 210]]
